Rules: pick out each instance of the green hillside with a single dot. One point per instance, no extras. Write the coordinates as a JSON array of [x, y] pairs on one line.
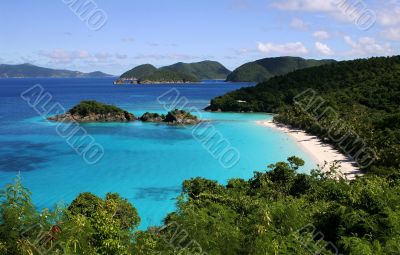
[[193, 72], [168, 76], [32, 71], [264, 69], [140, 71], [205, 70], [364, 94]]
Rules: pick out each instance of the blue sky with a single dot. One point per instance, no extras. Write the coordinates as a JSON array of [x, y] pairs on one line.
[[51, 33]]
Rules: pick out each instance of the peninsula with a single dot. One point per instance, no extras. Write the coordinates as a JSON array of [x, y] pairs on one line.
[[32, 71]]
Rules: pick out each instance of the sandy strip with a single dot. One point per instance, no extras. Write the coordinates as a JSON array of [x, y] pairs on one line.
[[321, 152]]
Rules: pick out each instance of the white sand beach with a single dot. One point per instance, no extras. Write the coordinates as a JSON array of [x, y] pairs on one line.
[[321, 152]]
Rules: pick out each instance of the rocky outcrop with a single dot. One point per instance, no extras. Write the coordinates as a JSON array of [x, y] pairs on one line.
[[175, 117], [180, 117], [152, 117], [92, 111], [93, 117]]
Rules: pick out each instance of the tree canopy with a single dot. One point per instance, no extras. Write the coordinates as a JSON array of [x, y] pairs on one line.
[[277, 211], [362, 96]]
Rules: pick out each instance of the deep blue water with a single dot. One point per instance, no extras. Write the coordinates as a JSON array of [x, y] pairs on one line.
[[145, 163]]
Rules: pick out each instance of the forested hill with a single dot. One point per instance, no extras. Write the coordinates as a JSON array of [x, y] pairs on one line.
[[140, 72], [264, 69], [32, 71], [364, 93], [150, 74], [205, 70], [192, 72]]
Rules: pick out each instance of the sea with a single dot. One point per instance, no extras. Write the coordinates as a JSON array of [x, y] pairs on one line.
[[145, 163]]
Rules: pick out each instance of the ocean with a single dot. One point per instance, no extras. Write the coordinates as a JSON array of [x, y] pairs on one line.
[[146, 163]]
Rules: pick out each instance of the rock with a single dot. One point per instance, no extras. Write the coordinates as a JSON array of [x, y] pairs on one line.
[[68, 117], [152, 117], [176, 117], [180, 117]]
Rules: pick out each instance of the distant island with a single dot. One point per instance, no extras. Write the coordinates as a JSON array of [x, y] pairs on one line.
[[93, 111], [176, 73], [32, 71], [264, 69]]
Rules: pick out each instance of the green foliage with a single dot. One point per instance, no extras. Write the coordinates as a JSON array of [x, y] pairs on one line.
[[205, 70], [264, 69], [362, 93], [140, 72], [169, 76], [87, 107], [87, 204], [278, 211], [193, 72]]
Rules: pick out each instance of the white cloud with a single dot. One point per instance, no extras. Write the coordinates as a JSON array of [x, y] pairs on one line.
[[166, 56], [121, 56], [102, 56], [389, 16], [64, 56], [324, 49], [306, 5], [299, 24], [321, 35], [358, 12], [61, 55], [392, 33], [368, 46], [295, 48]]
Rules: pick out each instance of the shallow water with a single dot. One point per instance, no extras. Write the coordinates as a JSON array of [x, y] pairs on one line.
[[145, 163]]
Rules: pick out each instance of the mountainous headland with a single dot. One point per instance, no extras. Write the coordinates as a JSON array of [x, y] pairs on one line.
[[176, 73], [32, 71], [264, 69], [362, 95]]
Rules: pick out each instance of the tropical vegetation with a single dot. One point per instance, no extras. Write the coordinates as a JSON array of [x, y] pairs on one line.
[[277, 211], [93, 107], [352, 104], [264, 69], [205, 70], [190, 72]]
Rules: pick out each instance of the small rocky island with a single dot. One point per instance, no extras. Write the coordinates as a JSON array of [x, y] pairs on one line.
[[93, 111], [175, 117]]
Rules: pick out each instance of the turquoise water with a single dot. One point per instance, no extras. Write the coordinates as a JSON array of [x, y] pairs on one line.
[[145, 163]]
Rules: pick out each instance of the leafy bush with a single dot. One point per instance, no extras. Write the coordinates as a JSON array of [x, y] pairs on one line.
[[87, 107]]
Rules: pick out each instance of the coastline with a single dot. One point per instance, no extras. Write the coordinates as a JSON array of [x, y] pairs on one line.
[[320, 152]]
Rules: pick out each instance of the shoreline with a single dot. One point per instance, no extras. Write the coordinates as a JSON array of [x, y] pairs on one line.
[[319, 151]]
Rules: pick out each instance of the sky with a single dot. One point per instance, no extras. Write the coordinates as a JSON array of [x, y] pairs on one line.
[[114, 36]]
